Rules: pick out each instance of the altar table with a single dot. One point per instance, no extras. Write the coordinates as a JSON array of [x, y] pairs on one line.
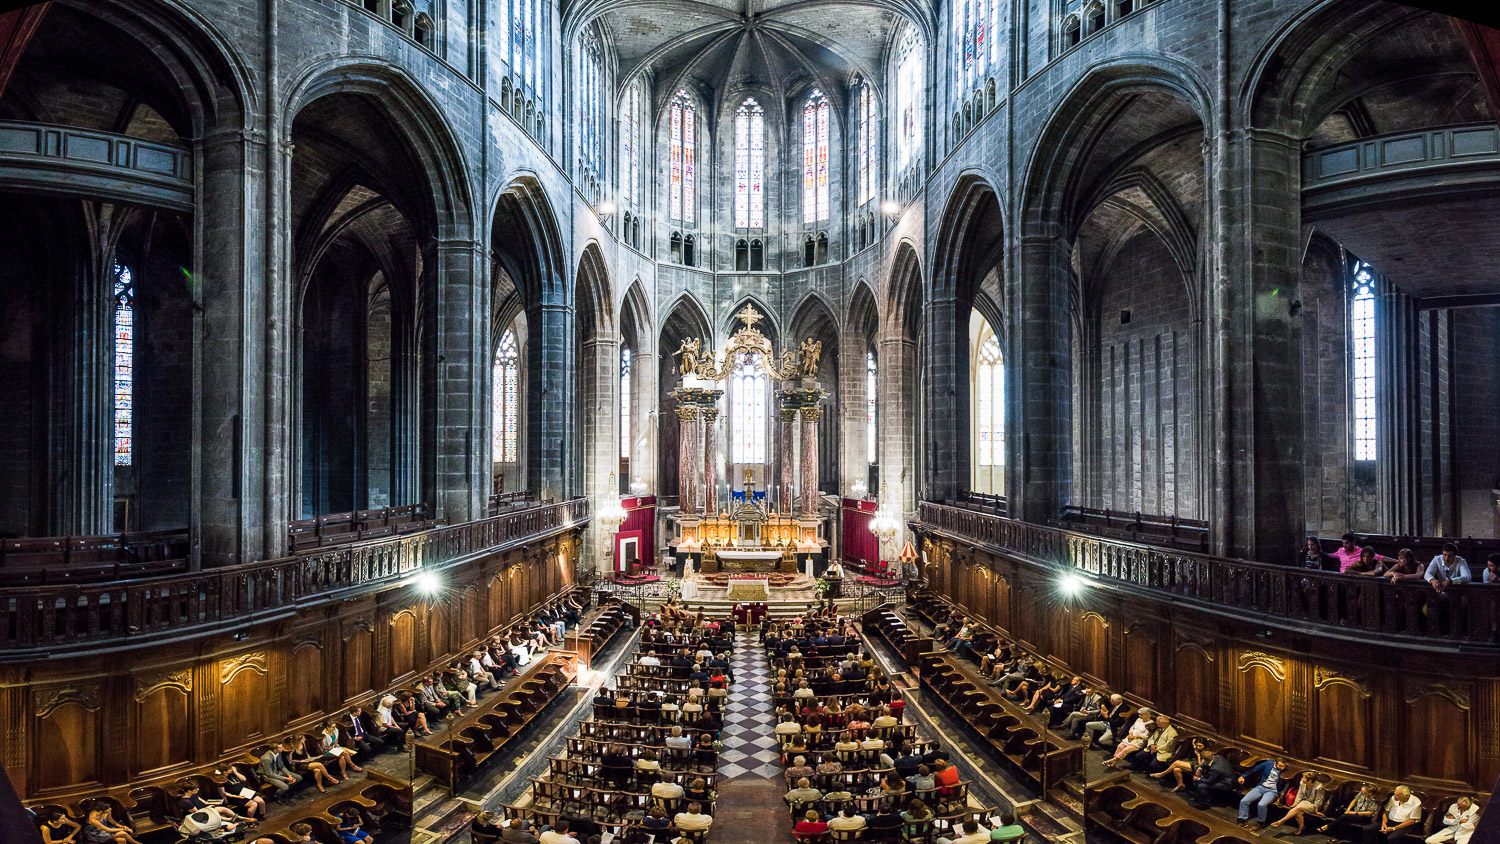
[[738, 559]]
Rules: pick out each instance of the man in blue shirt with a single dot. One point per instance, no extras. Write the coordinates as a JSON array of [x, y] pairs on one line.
[[1267, 778]]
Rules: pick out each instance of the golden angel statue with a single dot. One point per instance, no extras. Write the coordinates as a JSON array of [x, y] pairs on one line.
[[812, 350], [689, 352]]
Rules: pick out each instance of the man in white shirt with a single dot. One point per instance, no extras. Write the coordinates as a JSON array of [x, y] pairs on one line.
[[974, 833], [803, 793], [1458, 823], [650, 659], [558, 834], [692, 820], [1402, 813], [678, 741], [847, 818], [788, 726], [666, 790], [1447, 569]]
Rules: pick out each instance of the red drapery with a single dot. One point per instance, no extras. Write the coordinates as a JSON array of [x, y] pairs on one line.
[[861, 548]]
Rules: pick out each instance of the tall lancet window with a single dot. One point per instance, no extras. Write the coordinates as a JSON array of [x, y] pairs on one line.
[[988, 392], [749, 165], [1362, 353], [868, 131], [630, 145], [684, 145], [815, 158], [748, 412], [507, 390], [974, 24], [870, 445], [591, 108], [625, 403], [908, 93], [124, 364]]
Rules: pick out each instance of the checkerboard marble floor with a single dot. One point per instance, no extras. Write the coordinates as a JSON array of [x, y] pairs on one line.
[[748, 743]]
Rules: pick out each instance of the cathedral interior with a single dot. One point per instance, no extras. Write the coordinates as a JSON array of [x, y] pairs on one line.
[[1025, 420]]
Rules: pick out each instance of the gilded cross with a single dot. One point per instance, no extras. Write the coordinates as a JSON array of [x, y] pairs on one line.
[[750, 316]]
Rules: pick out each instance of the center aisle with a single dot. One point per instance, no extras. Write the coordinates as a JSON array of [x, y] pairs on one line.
[[749, 807]]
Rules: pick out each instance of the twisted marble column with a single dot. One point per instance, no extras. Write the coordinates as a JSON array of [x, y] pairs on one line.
[[808, 467], [788, 456], [688, 467], [710, 417]]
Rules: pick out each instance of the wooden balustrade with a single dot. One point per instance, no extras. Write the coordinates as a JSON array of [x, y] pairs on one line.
[[92, 559], [60, 616], [1284, 593]]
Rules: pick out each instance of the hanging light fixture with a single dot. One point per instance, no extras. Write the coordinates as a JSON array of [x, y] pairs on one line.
[[611, 513], [885, 525]]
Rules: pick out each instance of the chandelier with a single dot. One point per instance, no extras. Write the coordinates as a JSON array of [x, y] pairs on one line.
[[612, 514]]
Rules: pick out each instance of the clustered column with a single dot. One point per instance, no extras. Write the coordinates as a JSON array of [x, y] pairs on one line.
[[788, 455], [710, 415], [687, 459], [808, 465]]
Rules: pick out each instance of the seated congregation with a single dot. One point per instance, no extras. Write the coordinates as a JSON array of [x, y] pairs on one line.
[[1157, 775], [344, 781], [645, 763]]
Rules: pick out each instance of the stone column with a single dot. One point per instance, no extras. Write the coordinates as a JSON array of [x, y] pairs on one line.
[[710, 416], [788, 455], [549, 369], [1041, 399], [81, 431], [229, 459], [688, 467], [808, 465]]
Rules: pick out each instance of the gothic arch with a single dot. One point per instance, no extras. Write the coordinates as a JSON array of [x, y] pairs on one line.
[[771, 326], [1055, 183], [524, 222], [421, 124]]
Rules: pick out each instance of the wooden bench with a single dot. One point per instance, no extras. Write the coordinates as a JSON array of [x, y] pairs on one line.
[[586, 642], [475, 737], [894, 630], [380, 800], [1019, 737]]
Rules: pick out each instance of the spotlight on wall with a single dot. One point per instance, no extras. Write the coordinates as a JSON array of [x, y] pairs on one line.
[[890, 207], [429, 583], [1070, 584]]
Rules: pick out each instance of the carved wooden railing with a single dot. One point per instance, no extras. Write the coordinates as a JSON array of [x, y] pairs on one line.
[[1469, 612], [59, 616]]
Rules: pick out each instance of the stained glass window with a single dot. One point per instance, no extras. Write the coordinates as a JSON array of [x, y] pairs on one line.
[[591, 105], [870, 450], [517, 46], [625, 403], [815, 157], [749, 411], [749, 165], [630, 145], [989, 400], [908, 88], [684, 128], [974, 25], [507, 388], [1362, 343], [866, 151], [124, 364]]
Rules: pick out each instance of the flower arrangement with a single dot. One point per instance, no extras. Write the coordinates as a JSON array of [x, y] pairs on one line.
[[821, 587]]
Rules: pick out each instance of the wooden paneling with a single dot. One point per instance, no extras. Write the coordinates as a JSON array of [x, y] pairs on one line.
[[1437, 738], [66, 752], [1344, 715], [1195, 680], [244, 699], [1093, 645], [90, 723], [1363, 707], [403, 642], [163, 738], [306, 679]]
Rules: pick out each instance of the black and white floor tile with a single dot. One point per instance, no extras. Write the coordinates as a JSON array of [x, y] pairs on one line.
[[748, 745]]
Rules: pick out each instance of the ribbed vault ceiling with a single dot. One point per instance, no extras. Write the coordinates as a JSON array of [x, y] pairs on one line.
[[725, 45]]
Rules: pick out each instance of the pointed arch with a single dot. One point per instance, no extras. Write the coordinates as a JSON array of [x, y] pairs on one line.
[[813, 313], [421, 124], [770, 326], [692, 315], [1064, 157], [593, 307], [904, 294], [526, 240]]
